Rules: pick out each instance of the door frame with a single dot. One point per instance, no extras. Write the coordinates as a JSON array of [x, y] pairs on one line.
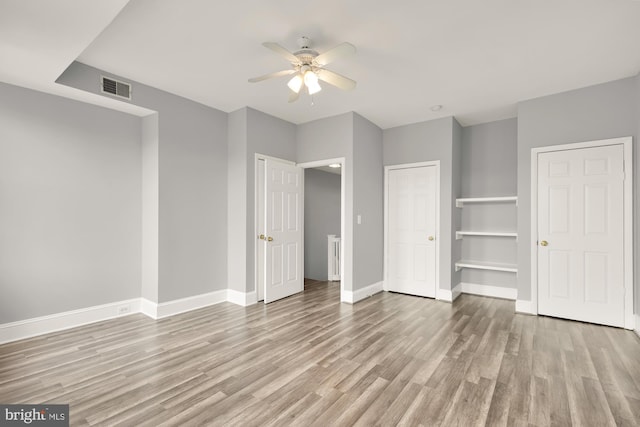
[[436, 164], [627, 145], [346, 266]]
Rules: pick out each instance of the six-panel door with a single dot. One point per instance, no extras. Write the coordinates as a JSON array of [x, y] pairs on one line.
[[412, 230], [283, 194], [580, 234]]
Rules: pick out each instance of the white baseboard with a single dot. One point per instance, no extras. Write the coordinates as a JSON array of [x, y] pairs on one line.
[[242, 298], [165, 309], [182, 305], [489, 291], [637, 328], [447, 295], [525, 307], [149, 308], [456, 292], [69, 319], [353, 297]]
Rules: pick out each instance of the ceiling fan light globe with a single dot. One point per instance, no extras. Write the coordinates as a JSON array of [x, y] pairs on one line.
[[313, 87], [310, 78], [295, 84]]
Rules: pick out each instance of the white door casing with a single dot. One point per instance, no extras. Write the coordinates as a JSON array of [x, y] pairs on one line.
[[582, 229], [260, 230], [346, 227], [283, 230], [411, 223]]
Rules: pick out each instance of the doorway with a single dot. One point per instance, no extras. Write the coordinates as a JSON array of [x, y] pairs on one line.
[[322, 223], [266, 252], [582, 231]]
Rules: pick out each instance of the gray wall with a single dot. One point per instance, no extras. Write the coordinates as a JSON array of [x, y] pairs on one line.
[[270, 136], [489, 168], [597, 112], [237, 200], [368, 202], [489, 159], [70, 213], [150, 207], [193, 191], [321, 218], [327, 139], [192, 181], [250, 132], [456, 191], [427, 141]]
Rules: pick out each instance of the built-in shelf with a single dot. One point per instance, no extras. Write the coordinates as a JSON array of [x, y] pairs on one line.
[[482, 265], [461, 234], [460, 202]]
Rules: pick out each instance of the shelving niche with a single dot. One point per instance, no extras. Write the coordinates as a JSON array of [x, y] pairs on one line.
[[460, 234]]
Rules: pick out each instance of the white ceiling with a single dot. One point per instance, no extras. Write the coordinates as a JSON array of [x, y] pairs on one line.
[[476, 58], [336, 171], [40, 38]]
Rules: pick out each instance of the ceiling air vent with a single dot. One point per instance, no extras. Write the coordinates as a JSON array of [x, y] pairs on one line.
[[114, 87]]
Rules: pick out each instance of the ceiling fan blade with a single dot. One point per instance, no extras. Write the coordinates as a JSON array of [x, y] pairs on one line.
[[293, 96], [343, 49], [336, 79], [281, 51], [272, 75]]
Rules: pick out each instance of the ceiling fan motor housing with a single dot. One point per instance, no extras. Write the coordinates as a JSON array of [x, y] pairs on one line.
[[305, 55]]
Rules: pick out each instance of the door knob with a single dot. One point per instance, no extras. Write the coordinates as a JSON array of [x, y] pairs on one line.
[[269, 239], [544, 243], [261, 237], [432, 238]]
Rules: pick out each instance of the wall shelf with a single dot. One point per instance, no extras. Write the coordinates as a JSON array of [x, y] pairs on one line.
[[482, 265], [460, 202], [460, 234]]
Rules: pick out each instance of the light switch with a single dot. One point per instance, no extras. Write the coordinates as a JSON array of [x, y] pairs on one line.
[[359, 219]]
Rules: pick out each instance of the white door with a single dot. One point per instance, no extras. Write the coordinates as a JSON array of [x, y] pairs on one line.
[[412, 206], [283, 273], [580, 234]]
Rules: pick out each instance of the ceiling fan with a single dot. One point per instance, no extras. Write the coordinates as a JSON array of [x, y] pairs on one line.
[[308, 67]]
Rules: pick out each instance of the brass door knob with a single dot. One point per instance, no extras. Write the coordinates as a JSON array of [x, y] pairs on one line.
[[269, 239], [432, 238], [261, 237], [544, 243]]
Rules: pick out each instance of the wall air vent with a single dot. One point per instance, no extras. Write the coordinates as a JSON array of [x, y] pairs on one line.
[[114, 87]]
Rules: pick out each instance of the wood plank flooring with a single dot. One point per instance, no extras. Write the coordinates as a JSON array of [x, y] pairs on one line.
[[309, 360]]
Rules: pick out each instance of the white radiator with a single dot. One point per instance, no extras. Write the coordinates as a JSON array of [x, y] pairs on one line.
[[333, 257]]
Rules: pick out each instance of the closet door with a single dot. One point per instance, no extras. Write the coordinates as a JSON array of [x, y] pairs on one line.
[[580, 234], [411, 227]]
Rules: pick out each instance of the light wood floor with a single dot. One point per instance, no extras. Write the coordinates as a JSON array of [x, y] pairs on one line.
[[309, 360]]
